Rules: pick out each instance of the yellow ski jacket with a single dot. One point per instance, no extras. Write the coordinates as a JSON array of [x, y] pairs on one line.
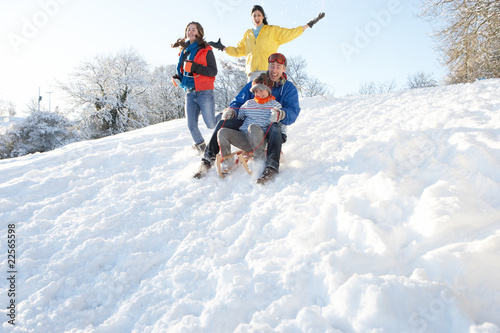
[[258, 50]]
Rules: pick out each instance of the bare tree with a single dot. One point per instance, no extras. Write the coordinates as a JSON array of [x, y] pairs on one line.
[[2, 108], [467, 34], [35, 105], [7, 108], [306, 85], [110, 93], [296, 71], [420, 80], [316, 88], [370, 88]]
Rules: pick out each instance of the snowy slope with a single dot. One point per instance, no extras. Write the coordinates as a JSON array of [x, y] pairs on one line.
[[385, 218]]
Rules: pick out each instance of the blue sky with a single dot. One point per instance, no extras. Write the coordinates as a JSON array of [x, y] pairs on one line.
[[358, 41]]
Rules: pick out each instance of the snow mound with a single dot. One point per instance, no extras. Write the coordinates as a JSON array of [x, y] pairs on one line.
[[385, 217]]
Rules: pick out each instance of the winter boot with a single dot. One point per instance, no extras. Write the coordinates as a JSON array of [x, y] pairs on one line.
[[202, 171], [200, 147], [268, 175], [225, 167]]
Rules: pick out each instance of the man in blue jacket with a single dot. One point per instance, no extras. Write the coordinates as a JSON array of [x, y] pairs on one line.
[[286, 94]]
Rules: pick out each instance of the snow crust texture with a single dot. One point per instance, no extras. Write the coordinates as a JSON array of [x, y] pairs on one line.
[[385, 217]]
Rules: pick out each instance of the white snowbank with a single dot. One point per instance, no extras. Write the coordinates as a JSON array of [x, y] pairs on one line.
[[385, 218]]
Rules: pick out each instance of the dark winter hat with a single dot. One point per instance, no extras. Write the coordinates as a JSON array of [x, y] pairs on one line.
[[262, 82]]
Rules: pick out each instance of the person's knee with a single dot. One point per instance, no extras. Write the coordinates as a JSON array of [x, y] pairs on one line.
[[275, 128], [275, 134], [255, 130], [211, 124], [222, 134], [219, 125]]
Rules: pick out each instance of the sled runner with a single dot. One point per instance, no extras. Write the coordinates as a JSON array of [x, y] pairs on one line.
[[241, 157]]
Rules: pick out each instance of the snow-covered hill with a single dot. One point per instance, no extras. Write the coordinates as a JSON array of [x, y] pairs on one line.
[[385, 218]]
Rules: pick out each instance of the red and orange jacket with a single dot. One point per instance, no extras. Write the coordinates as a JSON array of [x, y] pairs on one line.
[[204, 72]]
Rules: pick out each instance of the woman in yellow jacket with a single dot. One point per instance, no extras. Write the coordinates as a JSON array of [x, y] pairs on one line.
[[261, 41]]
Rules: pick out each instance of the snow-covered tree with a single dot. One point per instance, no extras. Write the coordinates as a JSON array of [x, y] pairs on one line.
[[109, 93], [468, 37], [165, 101], [40, 132], [5, 146]]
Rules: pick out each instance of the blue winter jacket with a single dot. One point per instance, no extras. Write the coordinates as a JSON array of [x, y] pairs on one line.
[[286, 94]]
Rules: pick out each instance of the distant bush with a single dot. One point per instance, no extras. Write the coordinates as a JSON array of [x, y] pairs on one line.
[[420, 80], [40, 132], [371, 88]]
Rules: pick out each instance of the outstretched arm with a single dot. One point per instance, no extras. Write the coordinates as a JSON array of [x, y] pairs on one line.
[[314, 21], [219, 46]]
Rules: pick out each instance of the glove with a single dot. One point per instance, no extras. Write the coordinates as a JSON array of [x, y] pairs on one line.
[[217, 45], [277, 115], [228, 114], [176, 80], [316, 19], [190, 66]]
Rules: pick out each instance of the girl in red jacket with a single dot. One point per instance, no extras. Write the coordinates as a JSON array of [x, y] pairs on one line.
[[196, 72]]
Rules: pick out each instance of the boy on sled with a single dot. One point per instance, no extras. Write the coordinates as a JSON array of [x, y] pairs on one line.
[[256, 115]]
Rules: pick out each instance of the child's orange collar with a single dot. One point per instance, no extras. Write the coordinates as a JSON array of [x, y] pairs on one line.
[[264, 100]]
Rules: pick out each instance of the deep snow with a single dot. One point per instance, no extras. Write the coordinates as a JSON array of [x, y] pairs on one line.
[[385, 218]]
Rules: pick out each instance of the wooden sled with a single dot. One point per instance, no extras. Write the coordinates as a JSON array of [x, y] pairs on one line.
[[241, 157]]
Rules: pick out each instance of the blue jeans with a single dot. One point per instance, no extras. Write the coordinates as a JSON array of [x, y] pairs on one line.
[[200, 102]]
